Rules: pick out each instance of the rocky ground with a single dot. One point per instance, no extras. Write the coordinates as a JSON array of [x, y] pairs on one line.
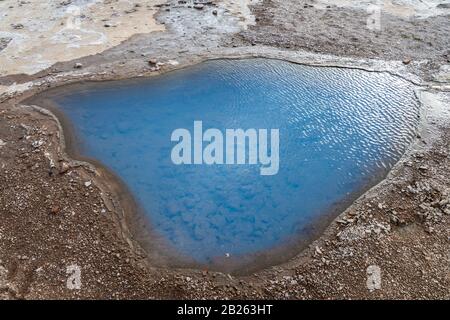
[[303, 25], [59, 219], [336, 30]]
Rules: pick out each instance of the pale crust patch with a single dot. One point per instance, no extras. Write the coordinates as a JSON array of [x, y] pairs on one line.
[[46, 32]]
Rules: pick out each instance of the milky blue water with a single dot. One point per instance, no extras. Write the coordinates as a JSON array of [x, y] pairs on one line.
[[338, 128]]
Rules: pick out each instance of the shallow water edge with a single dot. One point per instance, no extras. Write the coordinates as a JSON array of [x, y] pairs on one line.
[[141, 230]]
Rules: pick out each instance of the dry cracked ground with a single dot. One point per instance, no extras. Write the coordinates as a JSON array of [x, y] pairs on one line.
[[61, 228]]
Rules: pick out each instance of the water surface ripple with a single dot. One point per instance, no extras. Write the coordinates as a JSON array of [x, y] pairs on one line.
[[339, 128]]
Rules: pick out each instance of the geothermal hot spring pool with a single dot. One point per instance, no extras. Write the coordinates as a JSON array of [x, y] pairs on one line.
[[340, 131]]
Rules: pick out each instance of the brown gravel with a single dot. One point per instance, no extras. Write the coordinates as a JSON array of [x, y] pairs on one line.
[[299, 25], [52, 218]]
